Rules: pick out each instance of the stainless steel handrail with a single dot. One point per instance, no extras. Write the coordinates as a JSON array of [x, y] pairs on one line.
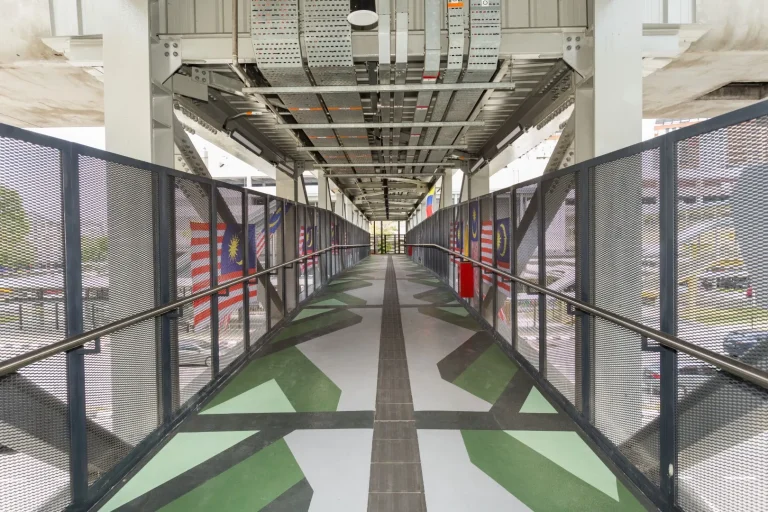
[[733, 366], [33, 356]]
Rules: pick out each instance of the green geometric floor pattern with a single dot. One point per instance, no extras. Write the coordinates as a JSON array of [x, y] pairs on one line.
[[550, 471], [307, 388], [341, 298], [456, 310], [248, 486], [488, 376], [267, 397], [185, 451], [316, 323], [306, 313], [537, 404]]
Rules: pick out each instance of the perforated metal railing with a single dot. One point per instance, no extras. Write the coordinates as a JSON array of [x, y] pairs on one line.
[[89, 238], [670, 234]]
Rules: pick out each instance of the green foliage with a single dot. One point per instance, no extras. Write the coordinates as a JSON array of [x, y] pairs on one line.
[[94, 248], [15, 248]]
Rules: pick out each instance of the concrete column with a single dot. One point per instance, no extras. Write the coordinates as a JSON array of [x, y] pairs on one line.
[[464, 194], [286, 186], [339, 205], [446, 189], [130, 100], [480, 182], [323, 200], [617, 122]]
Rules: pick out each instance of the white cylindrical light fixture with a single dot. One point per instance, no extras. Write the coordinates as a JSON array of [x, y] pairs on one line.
[[362, 13]]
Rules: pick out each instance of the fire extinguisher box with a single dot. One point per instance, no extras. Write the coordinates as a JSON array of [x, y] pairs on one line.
[[410, 250], [466, 280]]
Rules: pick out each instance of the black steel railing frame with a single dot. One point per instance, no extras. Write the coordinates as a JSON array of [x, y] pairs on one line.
[[343, 244], [427, 240]]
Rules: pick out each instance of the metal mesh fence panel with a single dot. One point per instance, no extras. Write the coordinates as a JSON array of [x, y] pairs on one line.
[[34, 438], [527, 268], [192, 354], [120, 378], [487, 250], [301, 245], [277, 221], [722, 435], [31, 253], [109, 438], [560, 265], [475, 231], [257, 206], [722, 264], [310, 244], [626, 247], [230, 266], [502, 245]]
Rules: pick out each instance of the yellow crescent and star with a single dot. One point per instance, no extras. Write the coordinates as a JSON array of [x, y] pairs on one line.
[[474, 223], [501, 239], [234, 248]]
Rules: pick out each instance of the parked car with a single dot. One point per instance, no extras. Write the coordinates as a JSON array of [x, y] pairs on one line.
[[690, 375], [736, 343], [192, 354]]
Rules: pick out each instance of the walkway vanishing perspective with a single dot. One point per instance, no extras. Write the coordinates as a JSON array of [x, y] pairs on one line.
[[382, 394]]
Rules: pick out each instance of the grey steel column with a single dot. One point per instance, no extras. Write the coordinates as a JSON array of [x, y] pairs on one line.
[[213, 237], [513, 266], [668, 304], [163, 291], [268, 261], [495, 286], [584, 268], [246, 268], [73, 300], [542, 282]]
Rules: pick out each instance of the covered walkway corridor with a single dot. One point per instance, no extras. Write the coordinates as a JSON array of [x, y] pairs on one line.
[[382, 394]]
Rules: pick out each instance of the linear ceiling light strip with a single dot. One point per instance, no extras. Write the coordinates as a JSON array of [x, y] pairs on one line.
[[385, 72], [401, 64]]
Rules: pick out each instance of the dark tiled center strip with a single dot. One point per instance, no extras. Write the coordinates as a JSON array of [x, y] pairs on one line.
[[396, 478]]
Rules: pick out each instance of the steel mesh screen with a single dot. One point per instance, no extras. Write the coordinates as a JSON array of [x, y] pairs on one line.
[[527, 268], [560, 264], [722, 264], [475, 237], [301, 246], [192, 353], [275, 247], [229, 207], [722, 306], [487, 234], [257, 308], [120, 379], [722, 435], [34, 438], [626, 247], [502, 245], [31, 251]]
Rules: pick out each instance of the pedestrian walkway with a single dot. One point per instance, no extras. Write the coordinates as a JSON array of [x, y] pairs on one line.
[[382, 394]]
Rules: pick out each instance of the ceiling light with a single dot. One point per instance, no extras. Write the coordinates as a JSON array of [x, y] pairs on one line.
[[245, 142], [362, 13], [512, 135]]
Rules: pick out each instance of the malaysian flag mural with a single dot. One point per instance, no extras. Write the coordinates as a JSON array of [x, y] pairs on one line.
[[500, 243], [230, 257]]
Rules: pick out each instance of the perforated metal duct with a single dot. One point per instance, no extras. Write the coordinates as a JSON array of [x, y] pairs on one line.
[[455, 21], [484, 42]]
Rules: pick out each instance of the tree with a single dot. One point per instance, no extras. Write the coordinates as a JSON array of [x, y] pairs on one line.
[[94, 248], [15, 248]]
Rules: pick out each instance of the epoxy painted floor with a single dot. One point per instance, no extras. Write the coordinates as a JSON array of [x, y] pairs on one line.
[[383, 394]]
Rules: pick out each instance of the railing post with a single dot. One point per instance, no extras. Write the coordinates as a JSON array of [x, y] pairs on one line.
[[495, 277], [584, 269], [246, 231], [73, 301], [668, 305], [513, 265], [268, 263], [213, 237], [163, 291], [541, 234]]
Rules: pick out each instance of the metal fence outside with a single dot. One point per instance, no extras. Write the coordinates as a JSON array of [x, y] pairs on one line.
[[670, 234], [88, 238]]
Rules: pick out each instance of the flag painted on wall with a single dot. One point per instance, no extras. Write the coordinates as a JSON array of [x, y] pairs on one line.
[[431, 202]]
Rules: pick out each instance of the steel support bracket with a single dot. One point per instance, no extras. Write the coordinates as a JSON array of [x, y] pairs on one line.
[[166, 59], [88, 351], [578, 52], [645, 347], [187, 86], [573, 311]]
